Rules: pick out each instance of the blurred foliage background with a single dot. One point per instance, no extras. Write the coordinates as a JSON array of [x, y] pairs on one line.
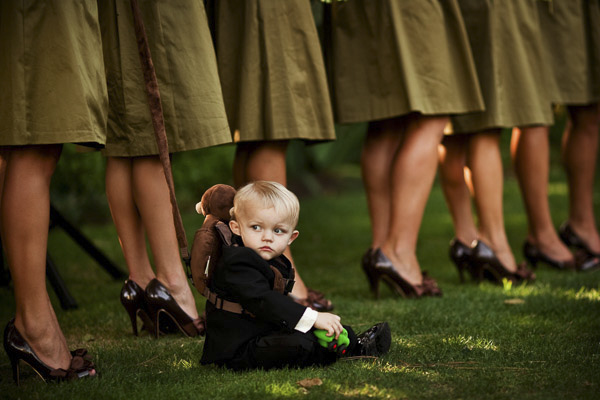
[[78, 185], [78, 189]]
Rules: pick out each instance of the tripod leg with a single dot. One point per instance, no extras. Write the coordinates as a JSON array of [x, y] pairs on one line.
[[4, 273], [57, 219], [66, 300]]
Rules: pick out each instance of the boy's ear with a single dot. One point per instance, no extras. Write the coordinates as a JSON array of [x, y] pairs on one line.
[[235, 227], [293, 237]]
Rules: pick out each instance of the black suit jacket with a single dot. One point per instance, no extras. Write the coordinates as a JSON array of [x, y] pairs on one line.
[[242, 276]]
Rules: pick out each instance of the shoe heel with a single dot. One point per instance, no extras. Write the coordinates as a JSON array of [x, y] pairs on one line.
[[461, 269], [157, 323], [532, 261], [168, 322], [14, 362], [373, 279], [169, 319], [479, 273], [375, 287], [461, 256], [372, 275], [531, 254], [133, 317], [133, 300]]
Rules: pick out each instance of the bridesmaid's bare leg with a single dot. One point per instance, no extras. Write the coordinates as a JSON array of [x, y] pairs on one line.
[[127, 219], [381, 145], [580, 150], [486, 170], [25, 219], [151, 195], [530, 148], [452, 163], [412, 176]]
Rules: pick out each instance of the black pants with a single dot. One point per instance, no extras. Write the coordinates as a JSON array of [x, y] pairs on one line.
[[285, 349]]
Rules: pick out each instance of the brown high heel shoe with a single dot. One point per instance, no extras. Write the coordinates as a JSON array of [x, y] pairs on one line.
[[488, 266], [585, 259], [462, 256], [133, 299], [368, 267], [534, 255], [315, 300], [161, 303], [385, 270], [18, 349], [572, 239]]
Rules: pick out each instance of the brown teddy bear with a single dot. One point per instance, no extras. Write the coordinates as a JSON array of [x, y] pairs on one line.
[[215, 205]]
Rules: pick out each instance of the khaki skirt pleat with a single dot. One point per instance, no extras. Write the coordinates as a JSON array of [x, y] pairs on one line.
[[183, 56], [272, 71], [592, 26], [52, 87], [393, 57], [513, 72], [566, 43]]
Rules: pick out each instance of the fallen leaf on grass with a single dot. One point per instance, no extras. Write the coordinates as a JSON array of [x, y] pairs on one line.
[[307, 383], [88, 338], [514, 301]]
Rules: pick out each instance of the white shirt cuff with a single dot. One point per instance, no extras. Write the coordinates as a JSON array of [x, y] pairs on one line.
[[307, 321]]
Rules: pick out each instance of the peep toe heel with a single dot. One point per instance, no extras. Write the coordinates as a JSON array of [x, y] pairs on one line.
[[18, 349]]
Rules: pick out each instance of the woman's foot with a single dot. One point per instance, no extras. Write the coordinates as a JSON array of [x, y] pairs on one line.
[[18, 349], [163, 306], [581, 237], [405, 264], [488, 266], [502, 251], [385, 270], [550, 248], [182, 294], [46, 340], [309, 297]]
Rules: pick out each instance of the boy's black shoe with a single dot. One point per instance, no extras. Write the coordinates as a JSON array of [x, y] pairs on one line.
[[375, 341]]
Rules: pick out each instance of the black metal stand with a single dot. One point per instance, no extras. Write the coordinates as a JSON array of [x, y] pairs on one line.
[[62, 292], [56, 219], [4, 274], [67, 301]]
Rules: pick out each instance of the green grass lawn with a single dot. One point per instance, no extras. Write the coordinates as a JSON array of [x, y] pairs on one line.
[[469, 344]]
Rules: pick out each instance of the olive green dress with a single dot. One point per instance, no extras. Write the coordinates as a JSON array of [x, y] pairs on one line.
[[592, 26], [52, 87], [565, 34], [506, 41], [272, 71], [392, 57], [183, 56], [59, 57]]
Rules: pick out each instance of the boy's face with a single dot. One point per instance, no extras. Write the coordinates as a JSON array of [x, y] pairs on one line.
[[264, 230]]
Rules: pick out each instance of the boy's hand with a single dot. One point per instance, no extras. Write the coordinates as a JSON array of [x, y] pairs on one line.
[[329, 322]]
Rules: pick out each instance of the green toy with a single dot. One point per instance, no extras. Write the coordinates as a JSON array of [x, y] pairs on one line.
[[340, 345]]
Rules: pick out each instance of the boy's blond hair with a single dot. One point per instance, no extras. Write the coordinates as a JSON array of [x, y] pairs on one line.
[[267, 194]]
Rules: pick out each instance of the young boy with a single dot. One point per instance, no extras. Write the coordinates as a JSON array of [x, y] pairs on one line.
[[269, 330]]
